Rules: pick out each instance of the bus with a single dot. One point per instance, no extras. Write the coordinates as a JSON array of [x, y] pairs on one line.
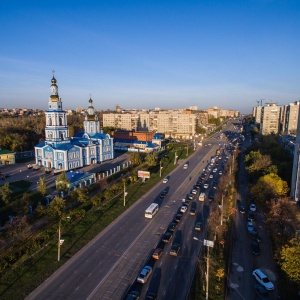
[[151, 211]]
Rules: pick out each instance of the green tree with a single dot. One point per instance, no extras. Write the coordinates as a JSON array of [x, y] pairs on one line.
[[82, 194], [136, 158], [56, 208], [290, 260], [268, 187], [62, 183], [151, 159], [42, 188], [257, 162], [6, 193]]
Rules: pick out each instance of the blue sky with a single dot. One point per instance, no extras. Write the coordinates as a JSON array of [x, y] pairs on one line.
[[147, 54]]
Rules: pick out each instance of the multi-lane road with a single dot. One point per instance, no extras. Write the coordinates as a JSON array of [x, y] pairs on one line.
[[107, 267]]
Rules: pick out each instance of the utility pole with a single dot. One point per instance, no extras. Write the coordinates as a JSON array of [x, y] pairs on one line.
[[208, 244], [187, 149], [58, 246], [160, 168], [175, 158], [222, 209], [124, 193]]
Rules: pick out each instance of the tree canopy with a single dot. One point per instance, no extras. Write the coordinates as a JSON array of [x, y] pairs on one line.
[[268, 187], [290, 260]]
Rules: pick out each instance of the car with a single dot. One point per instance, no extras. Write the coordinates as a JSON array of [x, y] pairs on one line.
[[254, 236], [144, 274], [255, 248], [183, 208], [211, 176], [194, 191], [165, 180], [242, 209], [220, 172], [167, 237], [191, 196], [196, 186], [252, 207], [172, 226], [177, 217], [250, 216], [250, 226], [163, 194], [157, 253], [261, 292], [215, 170], [185, 166], [175, 249], [263, 279], [211, 197], [205, 185], [132, 295], [150, 296], [192, 211], [186, 201], [198, 226]]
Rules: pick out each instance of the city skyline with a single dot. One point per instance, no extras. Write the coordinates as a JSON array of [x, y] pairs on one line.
[[142, 55]]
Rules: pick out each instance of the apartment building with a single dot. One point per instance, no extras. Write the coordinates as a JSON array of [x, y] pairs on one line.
[[174, 123], [289, 118], [269, 122], [257, 114]]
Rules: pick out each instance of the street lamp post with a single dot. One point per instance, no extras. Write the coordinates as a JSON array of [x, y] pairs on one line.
[[124, 200], [58, 246]]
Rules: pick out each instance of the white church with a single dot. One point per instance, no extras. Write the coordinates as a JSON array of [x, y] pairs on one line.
[[59, 151]]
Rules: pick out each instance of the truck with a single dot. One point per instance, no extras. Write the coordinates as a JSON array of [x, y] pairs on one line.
[[202, 196]]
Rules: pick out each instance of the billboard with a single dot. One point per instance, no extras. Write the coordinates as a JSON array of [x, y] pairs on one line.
[[143, 174]]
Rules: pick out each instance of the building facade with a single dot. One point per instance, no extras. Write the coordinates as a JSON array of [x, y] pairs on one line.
[[59, 151], [269, 122]]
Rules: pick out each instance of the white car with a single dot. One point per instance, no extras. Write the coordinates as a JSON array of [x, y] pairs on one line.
[[165, 180], [144, 275], [194, 191], [263, 279], [253, 207], [183, 208]]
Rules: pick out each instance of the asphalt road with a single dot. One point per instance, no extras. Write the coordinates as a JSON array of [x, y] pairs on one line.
[[110, 263], [243, 262]]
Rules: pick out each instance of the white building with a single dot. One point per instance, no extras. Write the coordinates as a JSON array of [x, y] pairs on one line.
[[59, 151]]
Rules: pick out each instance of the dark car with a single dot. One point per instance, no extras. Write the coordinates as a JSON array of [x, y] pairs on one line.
[[242, 209], [167, 237], [132, 295], [255, 248], [150, 296], [211, 197], [261, 292], [172, 226], [254, 236], [177, 217], [163, 194], [198, 226], [250, 216], [193, 209], [175, 249]]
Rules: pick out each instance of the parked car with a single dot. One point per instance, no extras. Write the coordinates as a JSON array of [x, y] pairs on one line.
[[250, 216], [242, 209], [205, 185], [157, 253], [172, 226], [198, 226], [194, 191], [193, 209], [133, 295], [261, 292], [263, 279], [177, 217], [255, 248], [150, 296], [254, 236], [167, 237], [253, 207], [175, 249], [250, 226], [183, 208], [144, 274]]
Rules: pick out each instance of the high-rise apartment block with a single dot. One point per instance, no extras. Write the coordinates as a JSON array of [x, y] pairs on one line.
[[270, 118]]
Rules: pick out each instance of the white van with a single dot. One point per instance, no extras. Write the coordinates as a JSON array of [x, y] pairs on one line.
[[202, 196]]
